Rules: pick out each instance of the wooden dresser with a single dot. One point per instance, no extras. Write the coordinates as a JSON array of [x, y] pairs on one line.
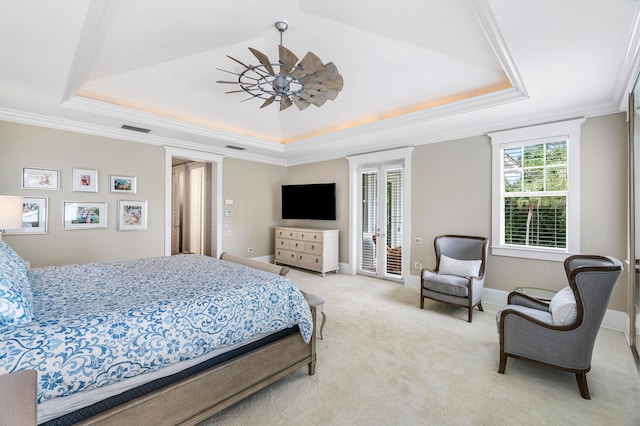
[[308, 248]]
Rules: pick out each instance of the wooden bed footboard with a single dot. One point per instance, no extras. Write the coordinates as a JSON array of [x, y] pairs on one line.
[[195, 399]]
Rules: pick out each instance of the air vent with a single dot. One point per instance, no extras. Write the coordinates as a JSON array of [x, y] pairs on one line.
[[135, 129], [239, 148]]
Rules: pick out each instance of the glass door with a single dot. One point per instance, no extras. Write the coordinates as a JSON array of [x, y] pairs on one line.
[[381, 220]]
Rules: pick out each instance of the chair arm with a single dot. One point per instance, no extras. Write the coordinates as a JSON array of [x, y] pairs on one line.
[[516, 298]]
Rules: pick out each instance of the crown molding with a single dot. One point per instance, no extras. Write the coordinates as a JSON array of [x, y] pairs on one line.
[[93, 106], [41, 120], [491, 30], [89, 41], [629, 68]]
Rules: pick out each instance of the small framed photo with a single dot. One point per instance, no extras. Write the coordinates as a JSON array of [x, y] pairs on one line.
[[122, 184], [36, 178], [85, 180], [132, 215], [83, 215], [35, 217]]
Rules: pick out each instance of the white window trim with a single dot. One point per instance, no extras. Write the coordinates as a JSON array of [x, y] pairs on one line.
[[570, 130]]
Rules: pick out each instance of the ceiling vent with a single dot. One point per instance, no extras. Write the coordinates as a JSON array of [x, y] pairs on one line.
[[135, 129], [239, 148]]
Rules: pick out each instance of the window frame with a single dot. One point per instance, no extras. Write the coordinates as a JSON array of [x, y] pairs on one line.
[[568, 131]]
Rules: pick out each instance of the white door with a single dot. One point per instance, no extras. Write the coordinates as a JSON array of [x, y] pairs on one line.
[[381, 220]]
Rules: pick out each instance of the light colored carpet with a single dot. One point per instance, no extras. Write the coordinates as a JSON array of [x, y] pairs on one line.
[[383, 361]]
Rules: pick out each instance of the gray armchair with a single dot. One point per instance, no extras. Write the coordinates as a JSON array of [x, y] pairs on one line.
[[458, 277], [561, 333]]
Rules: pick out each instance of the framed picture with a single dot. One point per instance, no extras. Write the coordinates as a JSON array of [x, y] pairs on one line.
[[83, 215], [132, 215], [122, 184], [35, 217], [33, 178], [85, 180]]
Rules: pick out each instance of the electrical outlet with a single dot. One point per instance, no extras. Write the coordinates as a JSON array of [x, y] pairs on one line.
[[227, 232], [417, 240], [417, 264]]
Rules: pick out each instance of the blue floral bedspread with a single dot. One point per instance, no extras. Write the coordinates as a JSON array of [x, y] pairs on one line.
[[96, 324]]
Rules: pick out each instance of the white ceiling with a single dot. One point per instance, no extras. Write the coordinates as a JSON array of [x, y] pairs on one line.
[[415, 71]]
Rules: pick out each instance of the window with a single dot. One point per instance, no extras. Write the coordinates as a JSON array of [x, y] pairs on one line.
[[536, 198]]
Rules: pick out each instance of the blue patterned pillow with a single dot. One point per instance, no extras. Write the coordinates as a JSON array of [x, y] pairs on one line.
[[16, 298]]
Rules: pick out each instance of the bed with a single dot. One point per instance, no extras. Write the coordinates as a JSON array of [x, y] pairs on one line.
[[164, 340]]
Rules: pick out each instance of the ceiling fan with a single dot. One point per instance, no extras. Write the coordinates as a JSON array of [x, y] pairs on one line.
[[309, 82]]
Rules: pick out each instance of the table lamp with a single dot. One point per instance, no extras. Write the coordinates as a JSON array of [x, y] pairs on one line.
[[10, 212]]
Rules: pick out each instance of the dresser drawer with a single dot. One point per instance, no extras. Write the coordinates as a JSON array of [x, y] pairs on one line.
[[282, 243], [310, 236], [286, 256], [310, 260], [296, 245], [314, 248]]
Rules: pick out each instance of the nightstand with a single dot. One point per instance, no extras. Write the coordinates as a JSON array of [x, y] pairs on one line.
[[18, 398]]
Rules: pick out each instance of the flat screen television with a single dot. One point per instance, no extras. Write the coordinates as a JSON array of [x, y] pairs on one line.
[[309, 201]]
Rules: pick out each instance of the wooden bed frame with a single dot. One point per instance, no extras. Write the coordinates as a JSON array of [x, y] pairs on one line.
[[196, 398]]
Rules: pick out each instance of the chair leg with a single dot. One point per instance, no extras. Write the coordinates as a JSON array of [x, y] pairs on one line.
[[421, 302], [503, 362], [581, 378], [480, 307], [470, 318]]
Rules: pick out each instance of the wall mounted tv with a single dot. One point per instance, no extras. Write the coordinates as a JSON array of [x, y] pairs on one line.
[[310, 201]]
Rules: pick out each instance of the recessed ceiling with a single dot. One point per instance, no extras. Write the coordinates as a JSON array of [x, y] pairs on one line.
[[415, 71]]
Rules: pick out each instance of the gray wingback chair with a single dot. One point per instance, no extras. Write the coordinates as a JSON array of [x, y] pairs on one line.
[[458, 277], [552, 335]]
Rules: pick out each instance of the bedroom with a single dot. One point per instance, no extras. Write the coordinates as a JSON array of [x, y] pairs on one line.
[[27, 140]]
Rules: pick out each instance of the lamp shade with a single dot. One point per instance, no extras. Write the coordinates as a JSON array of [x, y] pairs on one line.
[[10, 212]]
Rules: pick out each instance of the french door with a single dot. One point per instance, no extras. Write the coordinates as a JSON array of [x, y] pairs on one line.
[[381, 224]]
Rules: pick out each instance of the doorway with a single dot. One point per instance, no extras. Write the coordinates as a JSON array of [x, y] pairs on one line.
[[190, 207], [193, 202], [381, 225], [379, 214]]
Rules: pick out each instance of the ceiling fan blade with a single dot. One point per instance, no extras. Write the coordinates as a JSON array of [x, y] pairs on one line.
[[234, 91], [287, 58], [268, 102], [314, 83], [238, 61], [264, 60], [226, 82], [300, 103], [309, 64], [330, 94], [311, 98], [285, 103], [230, 72], [253, 96], [328, 73]]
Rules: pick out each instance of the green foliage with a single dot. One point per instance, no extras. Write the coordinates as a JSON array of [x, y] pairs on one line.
[[538, 220]]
